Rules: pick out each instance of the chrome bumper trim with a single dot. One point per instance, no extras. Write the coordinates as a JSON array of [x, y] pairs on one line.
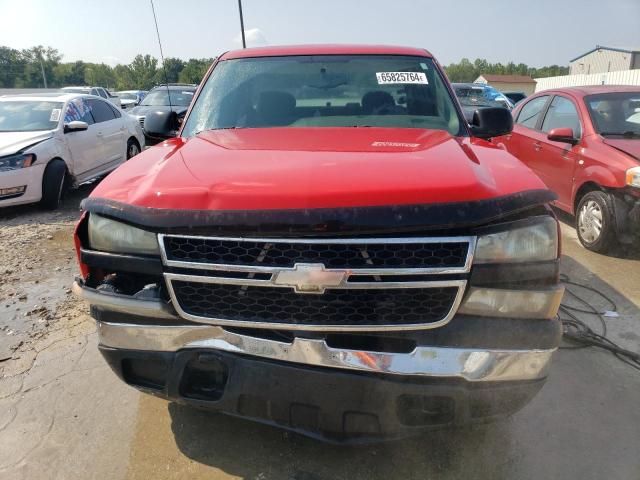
[[124, 303], [474, 365]]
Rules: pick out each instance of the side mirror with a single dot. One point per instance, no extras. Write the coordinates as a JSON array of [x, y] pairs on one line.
[[75, 126], [161, 124], [491, 122], [563, 134]]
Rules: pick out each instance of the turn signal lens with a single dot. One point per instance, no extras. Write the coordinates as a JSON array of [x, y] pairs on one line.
[[633, 177], [494, 302]]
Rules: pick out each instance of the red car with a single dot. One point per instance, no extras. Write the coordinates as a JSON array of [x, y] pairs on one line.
[[329, 247], [584, 143]]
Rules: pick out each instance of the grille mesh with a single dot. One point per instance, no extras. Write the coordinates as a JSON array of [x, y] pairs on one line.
[[397, 306], [353, 255]]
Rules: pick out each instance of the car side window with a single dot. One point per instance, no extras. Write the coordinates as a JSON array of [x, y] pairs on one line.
[[94, 91], [101, 111], [530, 112], [102, 93], [562, 113], [116, 112], [78, 110]]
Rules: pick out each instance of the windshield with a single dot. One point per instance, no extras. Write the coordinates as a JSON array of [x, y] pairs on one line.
[[29, 115], [481, 96], [76, 90], [615, 113], [126, 96], [324, 91], [159, 97]]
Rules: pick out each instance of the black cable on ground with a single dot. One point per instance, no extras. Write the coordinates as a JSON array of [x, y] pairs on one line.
[[582, 335]]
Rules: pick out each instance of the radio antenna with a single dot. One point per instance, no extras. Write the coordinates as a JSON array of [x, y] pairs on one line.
[[244, 43], [166, 79]]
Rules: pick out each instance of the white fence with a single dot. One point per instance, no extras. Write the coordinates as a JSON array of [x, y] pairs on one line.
[[622, 77]]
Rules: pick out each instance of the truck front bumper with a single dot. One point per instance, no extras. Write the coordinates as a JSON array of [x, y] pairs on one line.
[[472, 369]]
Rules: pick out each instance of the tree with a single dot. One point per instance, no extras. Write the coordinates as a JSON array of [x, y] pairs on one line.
[[100, 75], [194, 70], [11, 67], [143, 71], [465, 71], [66, 74], [124, 77], [170, 71], [38, 59]]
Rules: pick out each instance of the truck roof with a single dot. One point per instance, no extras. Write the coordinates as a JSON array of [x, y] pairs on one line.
[[328, 49]]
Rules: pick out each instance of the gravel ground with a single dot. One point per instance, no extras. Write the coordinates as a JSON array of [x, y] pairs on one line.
[[37, 265]]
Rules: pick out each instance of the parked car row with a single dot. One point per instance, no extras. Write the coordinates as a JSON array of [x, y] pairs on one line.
[[130, 98], [171, 102], [479, 95]]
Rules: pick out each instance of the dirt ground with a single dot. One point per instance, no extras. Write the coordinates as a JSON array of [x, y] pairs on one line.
[[64, 414]]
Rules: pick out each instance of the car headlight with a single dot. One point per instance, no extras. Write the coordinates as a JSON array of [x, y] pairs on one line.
[[112, 236], [633, 177], [531, 243], [17, 161]]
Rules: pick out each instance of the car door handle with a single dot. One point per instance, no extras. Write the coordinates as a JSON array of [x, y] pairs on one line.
[[537, 146], [98, 134], [507, 136]]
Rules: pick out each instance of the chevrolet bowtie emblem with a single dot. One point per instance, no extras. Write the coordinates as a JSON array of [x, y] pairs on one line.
[[310, 278]]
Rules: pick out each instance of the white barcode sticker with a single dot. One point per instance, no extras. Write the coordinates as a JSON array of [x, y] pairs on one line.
[[401, 77], [55, 115]]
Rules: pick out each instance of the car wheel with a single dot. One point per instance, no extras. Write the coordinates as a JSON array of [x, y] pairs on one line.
[[53, 183], [132, 148], [595, 223]]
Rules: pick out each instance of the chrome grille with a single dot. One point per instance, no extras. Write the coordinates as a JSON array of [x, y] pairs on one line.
[[317, 284], [331, 255], [392, 306]]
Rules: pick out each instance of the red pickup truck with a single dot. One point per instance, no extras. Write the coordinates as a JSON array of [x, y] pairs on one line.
[[326, 246]]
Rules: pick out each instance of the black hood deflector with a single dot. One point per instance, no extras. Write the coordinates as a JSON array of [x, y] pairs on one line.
[[323, 221]]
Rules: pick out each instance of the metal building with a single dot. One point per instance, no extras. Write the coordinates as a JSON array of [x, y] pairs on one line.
[[605, 59]]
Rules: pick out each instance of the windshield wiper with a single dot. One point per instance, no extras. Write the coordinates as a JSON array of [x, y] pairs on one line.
[[219, 128], [627, 134]]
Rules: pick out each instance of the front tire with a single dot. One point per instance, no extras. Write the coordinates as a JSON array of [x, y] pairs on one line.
[[133, 148], [595, 222], [53, 183]]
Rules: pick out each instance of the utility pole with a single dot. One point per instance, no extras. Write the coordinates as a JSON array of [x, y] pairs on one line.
[[44, 77], [244, 43]]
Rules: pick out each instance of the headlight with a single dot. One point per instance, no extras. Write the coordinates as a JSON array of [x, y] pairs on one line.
[[531, 243], [633, 177], [14, 162], [111, 236]]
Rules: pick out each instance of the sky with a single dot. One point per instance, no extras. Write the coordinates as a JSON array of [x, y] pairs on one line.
[[535, 32]]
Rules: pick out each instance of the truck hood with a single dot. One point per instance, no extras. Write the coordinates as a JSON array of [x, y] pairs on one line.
[[12, 142], [625, 145], [284, 169]]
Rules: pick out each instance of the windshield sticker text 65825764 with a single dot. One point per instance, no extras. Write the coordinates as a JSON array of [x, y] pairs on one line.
[[401, 77]]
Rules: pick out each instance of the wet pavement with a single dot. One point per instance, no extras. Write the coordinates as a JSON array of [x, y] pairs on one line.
[[64, 414]]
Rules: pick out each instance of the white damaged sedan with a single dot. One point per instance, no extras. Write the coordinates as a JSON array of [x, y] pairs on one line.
[[53, 141]]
